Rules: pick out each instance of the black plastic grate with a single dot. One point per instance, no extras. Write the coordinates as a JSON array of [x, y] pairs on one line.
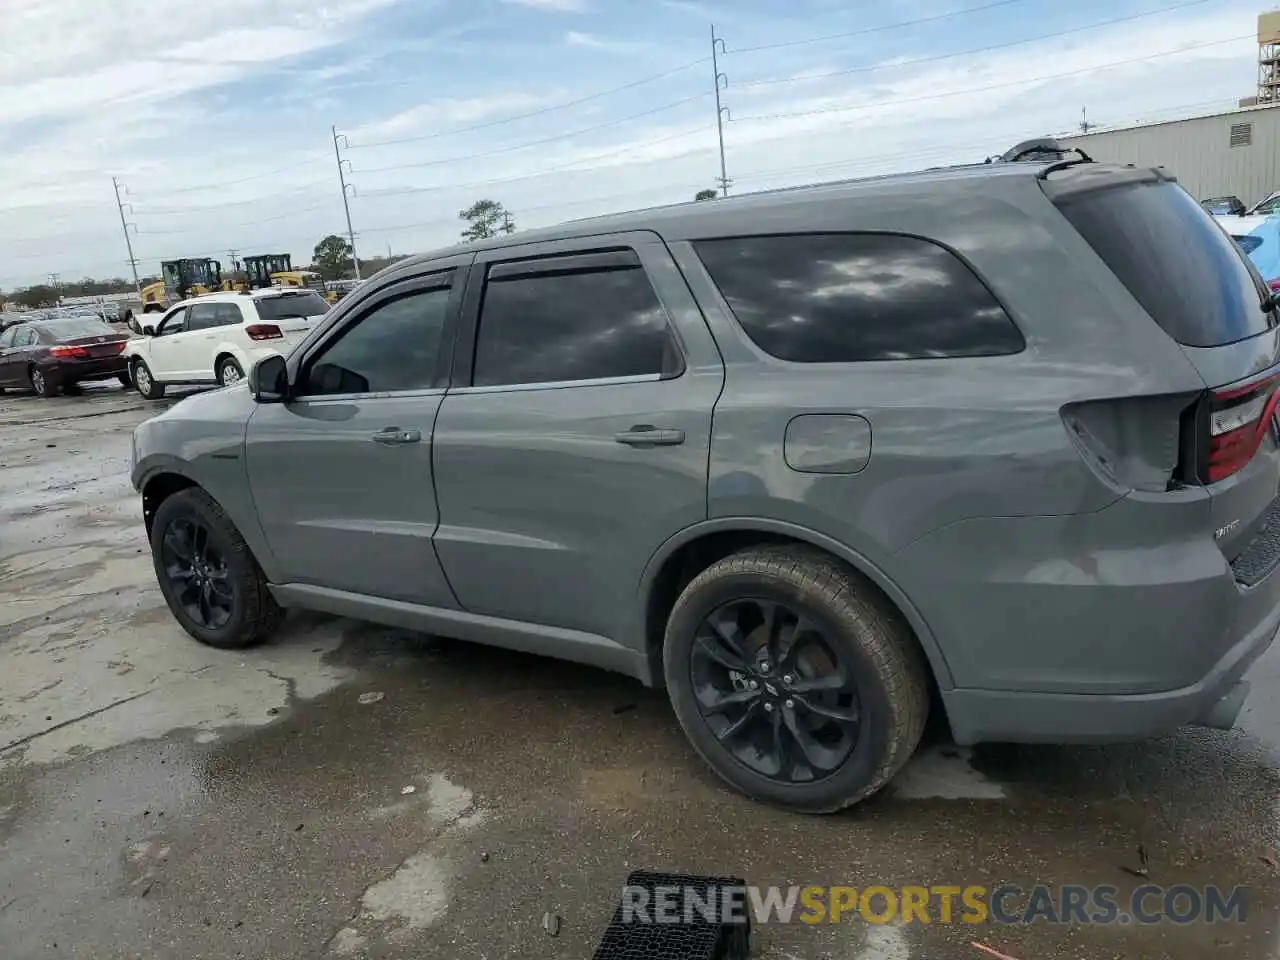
[[1257, 560], [695, 937]]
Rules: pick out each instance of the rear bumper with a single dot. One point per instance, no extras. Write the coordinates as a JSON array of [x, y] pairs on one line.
[[104, 368], [998, 716], [1114, 625]]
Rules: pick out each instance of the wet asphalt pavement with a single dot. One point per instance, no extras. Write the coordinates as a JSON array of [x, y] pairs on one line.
[[163, 800]]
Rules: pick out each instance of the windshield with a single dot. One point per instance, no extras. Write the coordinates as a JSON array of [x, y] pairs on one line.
[[301, 304], [1269, 205], [73, 327], [1184, 270]]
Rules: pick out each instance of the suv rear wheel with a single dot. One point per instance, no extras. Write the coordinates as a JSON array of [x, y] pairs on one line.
[[794, 679], [208, 576]]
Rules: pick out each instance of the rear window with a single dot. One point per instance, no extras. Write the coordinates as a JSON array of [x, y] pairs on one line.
[[75, 327], [302, 304], [1184, 269]]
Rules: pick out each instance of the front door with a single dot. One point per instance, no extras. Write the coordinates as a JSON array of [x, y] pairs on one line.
[[342, 474], [165, 356], [579, 443]]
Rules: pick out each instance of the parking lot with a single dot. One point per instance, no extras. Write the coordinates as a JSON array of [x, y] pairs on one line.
[[355, 791]]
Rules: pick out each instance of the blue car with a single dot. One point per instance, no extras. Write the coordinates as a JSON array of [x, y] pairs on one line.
[[1259, 238]]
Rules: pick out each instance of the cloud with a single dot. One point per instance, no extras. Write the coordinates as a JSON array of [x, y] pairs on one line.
[[556, 6], [214, 160]]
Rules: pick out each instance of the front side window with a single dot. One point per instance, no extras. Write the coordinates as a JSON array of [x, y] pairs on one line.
[[175, 322], [584, 325], [395, 346], [843, 297]]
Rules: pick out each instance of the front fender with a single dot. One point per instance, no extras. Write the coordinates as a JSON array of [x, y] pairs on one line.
[[928, 642], [213, 460]]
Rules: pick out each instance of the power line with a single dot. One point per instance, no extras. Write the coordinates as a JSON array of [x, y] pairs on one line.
[[533, 113], [256, 176], [537, 143], [995, 86], [951, 15], [164, 211], [965, 53], [559, 168]]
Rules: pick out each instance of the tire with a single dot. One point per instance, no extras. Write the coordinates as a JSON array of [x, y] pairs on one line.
[[39, 383], [144, 382], [254, 613], [885, 668], [228, 372]]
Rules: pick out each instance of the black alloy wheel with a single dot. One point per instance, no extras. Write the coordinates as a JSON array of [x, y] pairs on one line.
[[775, 690], [197, 573]]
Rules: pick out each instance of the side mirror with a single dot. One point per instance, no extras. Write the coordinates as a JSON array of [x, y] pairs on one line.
[[269, 380]]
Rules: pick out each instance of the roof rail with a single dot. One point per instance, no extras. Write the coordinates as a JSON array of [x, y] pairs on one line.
[[1040, 150]]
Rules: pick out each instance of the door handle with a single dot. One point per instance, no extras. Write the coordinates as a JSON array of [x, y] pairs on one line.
[[394, 435], [647, 435]]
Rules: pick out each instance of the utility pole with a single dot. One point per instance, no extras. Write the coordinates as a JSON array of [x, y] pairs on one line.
[[507, 226], [128, 244], [346, 204], [721, 82], [235, 264], [1084, 120]]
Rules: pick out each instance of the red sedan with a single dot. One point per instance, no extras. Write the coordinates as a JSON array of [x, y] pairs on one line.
[[52, 355]]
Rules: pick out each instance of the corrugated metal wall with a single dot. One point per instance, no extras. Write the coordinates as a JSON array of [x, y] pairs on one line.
[[1199, 152]]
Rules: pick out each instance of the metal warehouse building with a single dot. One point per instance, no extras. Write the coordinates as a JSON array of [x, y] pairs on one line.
[[1231, 153]]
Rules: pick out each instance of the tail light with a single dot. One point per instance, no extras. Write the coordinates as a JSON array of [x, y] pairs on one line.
[[263, 331], [63, 352], [1237, 423]]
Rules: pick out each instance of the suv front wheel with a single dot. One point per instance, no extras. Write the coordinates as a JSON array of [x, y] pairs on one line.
[[145, 382], [207, 575], [794, 679]]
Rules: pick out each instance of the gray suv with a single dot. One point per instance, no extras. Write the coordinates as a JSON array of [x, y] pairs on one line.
[[995, 439]]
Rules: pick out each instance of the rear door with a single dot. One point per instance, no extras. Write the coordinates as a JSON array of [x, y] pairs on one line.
[[196, 347], [342, 474], [574, 440]]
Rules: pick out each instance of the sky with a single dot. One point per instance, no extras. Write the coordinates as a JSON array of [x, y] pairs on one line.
[[217, 119]]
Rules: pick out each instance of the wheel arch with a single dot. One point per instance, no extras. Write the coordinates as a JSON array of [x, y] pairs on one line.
[[695, 548], [159, 487], [226, 352]]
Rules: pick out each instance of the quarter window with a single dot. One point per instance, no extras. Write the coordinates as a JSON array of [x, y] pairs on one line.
[[395, 346], [25, 337], [226, 315], [587, 324], [813, 298]]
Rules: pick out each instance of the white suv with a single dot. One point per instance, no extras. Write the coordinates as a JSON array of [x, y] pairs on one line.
[[216, 338]]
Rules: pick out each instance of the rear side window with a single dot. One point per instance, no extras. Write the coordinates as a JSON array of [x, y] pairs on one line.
[[1184, 269], [842, 297], [564, 326]]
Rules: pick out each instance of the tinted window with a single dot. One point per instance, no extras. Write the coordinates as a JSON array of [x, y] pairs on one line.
[[303, 304], [1175, 260], [587, 325], [24, 337], [226, 314], [816, 298], [78, 327], [202, 316], [1248, 243], [393, 347]]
